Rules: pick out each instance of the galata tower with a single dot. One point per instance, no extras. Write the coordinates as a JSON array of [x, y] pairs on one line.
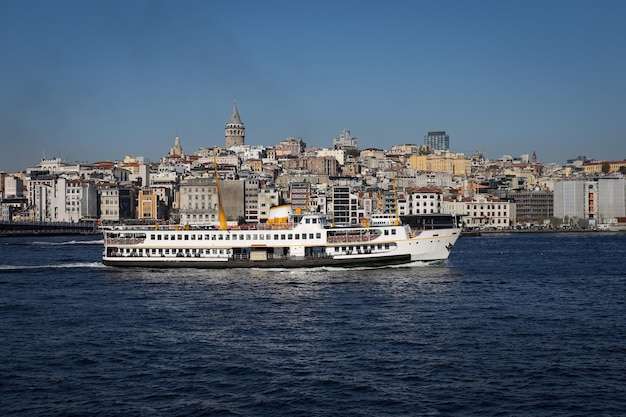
[[235, 130]]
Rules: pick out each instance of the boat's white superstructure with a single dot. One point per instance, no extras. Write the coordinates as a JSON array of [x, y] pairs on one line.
[[291, 241]]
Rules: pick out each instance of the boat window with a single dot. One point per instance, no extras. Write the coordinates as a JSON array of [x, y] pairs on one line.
[[262, 236], [393, 231], [282, 237], [297, 236], [193, 237], [275, 237], [318, 235], [289, 236], [212, 237], [310, 235], [152, 237], [255, 237], [221, 237], [227, 237], [247, 237], [386, 232], [166, 237], [159, 237], [186, 237], [308, 221]]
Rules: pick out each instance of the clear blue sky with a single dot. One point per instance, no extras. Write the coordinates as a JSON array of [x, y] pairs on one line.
[[96, 80]]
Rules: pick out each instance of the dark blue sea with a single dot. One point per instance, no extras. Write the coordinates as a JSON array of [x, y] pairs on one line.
[[512, 325]]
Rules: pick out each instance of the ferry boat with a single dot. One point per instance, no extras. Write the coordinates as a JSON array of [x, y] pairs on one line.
[[288, 240]]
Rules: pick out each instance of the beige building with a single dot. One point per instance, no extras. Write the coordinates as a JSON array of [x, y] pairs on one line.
[[596, 167], [147, 205], [453, 164]]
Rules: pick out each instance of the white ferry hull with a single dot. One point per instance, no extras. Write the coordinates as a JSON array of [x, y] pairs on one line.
[[304, 245]]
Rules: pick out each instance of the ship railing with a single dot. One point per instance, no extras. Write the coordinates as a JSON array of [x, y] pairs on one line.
[[275, 226]]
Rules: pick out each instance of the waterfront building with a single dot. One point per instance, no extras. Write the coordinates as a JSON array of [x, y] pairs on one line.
[[611, 198], [235, 129], [569, 200], [437, 140], [482, 211], [80, 201], [533, 206], [12, 187]]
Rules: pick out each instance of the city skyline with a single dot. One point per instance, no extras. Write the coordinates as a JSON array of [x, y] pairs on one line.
[[95, 81]]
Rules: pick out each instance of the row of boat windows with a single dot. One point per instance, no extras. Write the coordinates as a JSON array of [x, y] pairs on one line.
[[168, 251], [236, 236]]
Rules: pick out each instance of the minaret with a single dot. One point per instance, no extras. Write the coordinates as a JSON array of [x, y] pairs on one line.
[[235, 130]]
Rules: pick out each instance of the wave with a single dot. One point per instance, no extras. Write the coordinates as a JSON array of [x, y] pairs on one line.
[[51, 243], [69, 242], [69, 265]]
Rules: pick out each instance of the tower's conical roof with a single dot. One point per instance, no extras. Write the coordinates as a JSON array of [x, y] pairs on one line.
[[234, 117]]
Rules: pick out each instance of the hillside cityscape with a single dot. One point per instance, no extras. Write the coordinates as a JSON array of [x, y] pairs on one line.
[[346, 183]]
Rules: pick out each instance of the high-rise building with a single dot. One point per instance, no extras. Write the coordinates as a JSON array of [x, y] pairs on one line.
[[437, 140], [235, 129]]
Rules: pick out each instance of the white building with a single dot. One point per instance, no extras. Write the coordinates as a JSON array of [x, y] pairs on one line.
[[611, 199], [109, 202], [338, 154], [345, 141], [569, 199], [482, 211], [75, 200], [420, 201]]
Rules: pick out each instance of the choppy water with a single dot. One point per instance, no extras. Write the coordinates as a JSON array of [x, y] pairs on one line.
[[519, 325]]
